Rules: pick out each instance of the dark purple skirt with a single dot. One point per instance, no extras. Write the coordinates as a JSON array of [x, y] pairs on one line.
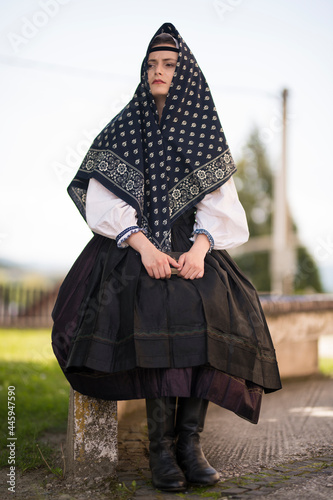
[[119, 334]]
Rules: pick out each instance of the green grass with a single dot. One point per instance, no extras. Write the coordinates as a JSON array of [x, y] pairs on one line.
[[326, 366], [41, 394]]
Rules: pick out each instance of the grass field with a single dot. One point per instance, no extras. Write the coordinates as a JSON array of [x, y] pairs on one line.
[[326, 366], [27, 362]]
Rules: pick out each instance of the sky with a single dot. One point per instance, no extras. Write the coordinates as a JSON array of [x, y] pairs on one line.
[[68, 66]]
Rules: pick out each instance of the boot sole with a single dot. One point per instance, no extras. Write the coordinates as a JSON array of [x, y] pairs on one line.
[[203, 484], [170, 489]]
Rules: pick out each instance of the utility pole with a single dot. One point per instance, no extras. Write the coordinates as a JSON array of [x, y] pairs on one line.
[[283, 258]]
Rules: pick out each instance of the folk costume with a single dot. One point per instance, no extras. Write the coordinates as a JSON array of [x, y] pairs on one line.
[[120, 334]]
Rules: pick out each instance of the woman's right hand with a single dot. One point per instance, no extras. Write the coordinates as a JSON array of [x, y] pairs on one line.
[[156, 263]]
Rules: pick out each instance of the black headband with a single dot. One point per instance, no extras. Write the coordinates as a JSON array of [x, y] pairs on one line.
[[163, 47]]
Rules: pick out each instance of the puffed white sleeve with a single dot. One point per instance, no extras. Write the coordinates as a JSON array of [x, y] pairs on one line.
[[108, 215], [221, 216]]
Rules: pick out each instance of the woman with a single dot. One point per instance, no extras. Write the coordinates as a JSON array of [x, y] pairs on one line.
[[154, 307]]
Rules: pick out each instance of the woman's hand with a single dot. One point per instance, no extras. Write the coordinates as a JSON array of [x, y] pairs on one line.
[[192, 262], [157, 264]]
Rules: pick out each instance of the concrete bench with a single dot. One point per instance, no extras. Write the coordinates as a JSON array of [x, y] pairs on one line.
[[92, 437]]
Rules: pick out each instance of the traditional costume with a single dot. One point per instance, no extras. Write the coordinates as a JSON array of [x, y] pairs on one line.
[[120, 334]]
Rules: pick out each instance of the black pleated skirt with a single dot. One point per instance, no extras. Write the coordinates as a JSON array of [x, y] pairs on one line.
[[119, 334]]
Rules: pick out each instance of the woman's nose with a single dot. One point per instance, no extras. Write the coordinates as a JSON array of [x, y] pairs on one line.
[[159, 69]]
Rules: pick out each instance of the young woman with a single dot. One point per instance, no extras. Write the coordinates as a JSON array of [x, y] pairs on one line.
[[154, 307]]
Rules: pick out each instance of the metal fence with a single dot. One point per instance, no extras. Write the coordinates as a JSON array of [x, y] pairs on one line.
[[24, 307]]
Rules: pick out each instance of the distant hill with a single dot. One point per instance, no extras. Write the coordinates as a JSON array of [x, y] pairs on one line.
[[8, 264]]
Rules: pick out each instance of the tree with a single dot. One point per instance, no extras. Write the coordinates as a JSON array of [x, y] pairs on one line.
[[254, 181]]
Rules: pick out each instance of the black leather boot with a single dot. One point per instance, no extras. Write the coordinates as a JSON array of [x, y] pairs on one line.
[[191, 413], [166, 473]]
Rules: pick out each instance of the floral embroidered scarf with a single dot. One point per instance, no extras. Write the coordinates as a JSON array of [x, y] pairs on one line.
[[160, 169]]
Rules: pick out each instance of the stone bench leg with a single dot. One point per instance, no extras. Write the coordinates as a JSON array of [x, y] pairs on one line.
[[92, 434]]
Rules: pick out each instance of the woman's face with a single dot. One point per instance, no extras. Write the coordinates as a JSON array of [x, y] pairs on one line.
[[161, 67]]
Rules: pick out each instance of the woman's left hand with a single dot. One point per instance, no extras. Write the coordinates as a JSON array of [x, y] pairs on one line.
[[192, 266], [192, 262]]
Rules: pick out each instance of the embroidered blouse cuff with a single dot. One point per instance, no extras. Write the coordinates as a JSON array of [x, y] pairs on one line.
[[209, 236], [126, 234]]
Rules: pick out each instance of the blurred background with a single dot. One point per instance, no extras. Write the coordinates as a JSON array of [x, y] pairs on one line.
[[68, 66]]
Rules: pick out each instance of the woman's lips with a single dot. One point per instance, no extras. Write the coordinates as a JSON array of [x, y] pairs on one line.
[[158, 81]]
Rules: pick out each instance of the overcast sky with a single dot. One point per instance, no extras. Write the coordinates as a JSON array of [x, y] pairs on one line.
[[68, 66]]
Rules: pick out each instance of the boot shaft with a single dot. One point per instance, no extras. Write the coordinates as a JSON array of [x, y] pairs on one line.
[[191, 415], [161, 420]]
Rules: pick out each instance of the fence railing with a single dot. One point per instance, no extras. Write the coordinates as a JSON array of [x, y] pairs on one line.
[[24, 307]]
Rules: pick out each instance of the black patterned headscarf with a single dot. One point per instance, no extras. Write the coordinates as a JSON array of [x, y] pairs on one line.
[[160, 169]]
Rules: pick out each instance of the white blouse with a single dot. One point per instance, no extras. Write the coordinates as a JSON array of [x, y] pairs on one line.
[[219, 215]]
